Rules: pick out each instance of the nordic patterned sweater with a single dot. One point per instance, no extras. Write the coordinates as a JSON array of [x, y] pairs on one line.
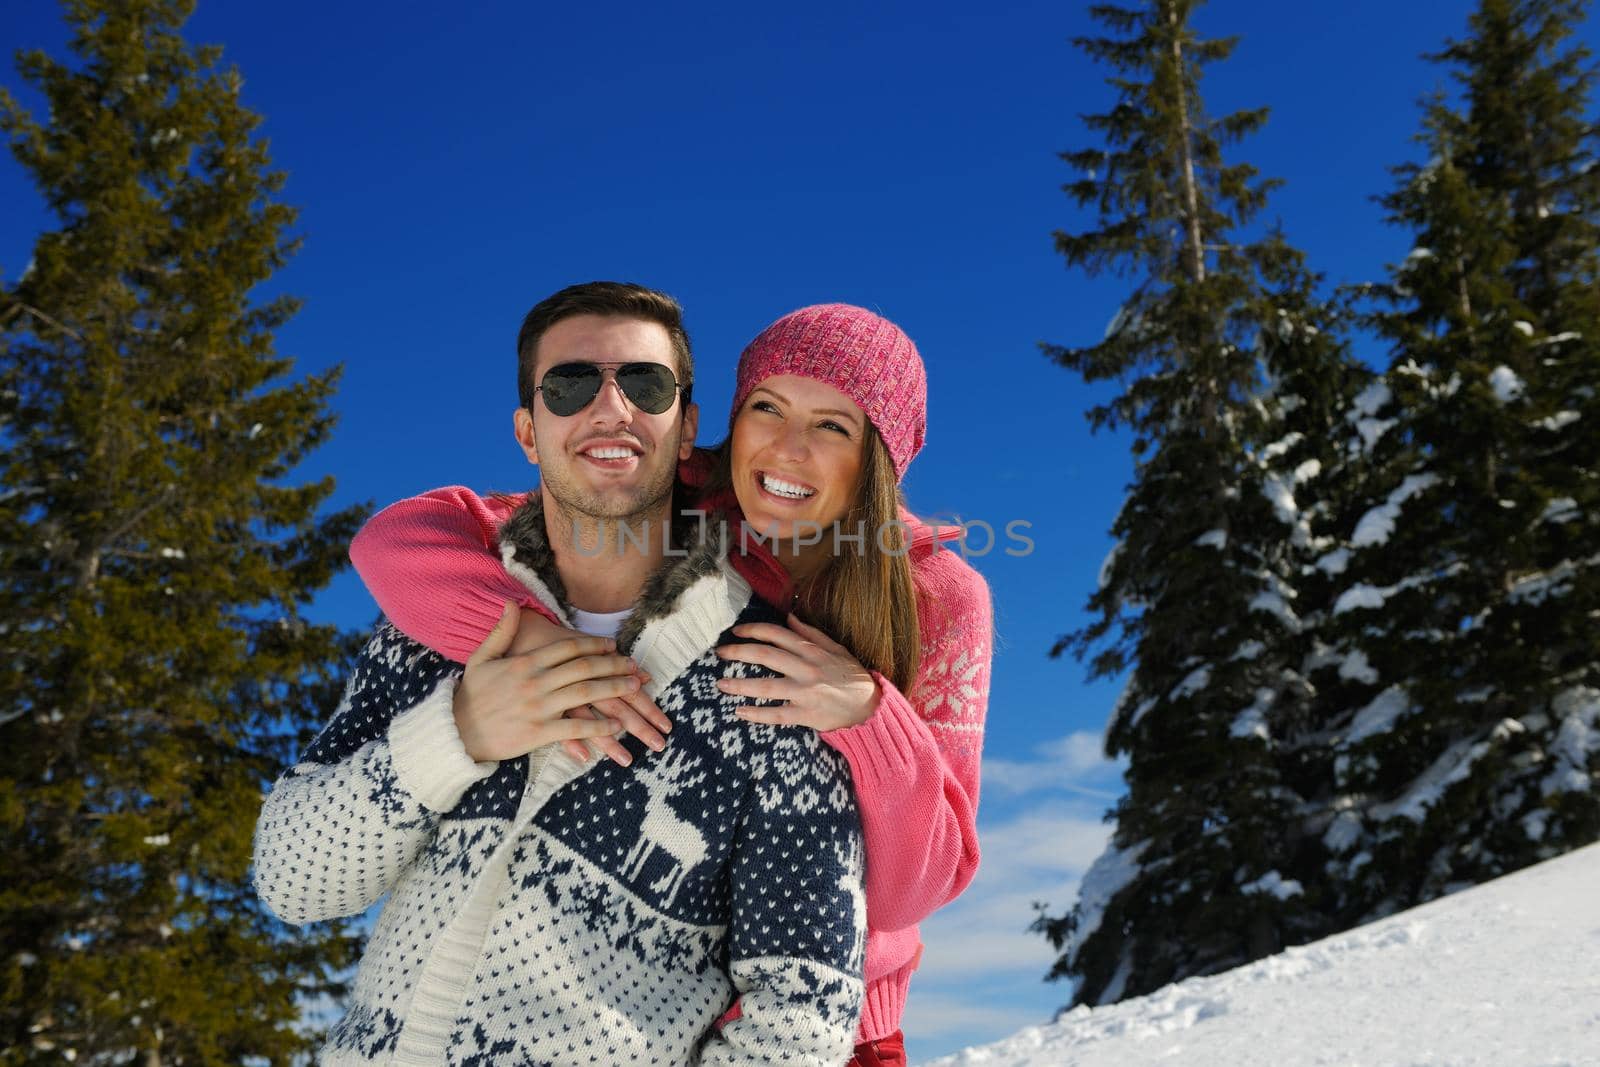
[[433, 564], [543, 911]]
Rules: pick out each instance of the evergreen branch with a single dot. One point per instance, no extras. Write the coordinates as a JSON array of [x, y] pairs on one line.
[[20, 305]]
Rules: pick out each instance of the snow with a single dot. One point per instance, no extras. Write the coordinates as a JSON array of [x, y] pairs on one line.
[[1118, 321], [1366, 406], [1360, 595], [1534, 823], [1273, 884], [1371, 400], [1252, 721], [1280, 491], [1109, 562], [1556, 339], [1559, 421], [1273, 603], [1578, 709], [1451, 767], [1107, 875], [1344, 831], [1499, 975], [1217, 539], [1377, 525], [1561, 509], [1356, 668], [1282, 445], [1144, 708], [1378, 715], [1193, 682], [1523, 327], [159, 840], [1334, 562], [1505, 383], [1557, 581], [1416, 256]]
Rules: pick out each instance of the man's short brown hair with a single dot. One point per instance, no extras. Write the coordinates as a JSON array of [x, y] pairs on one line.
[[619, 299]]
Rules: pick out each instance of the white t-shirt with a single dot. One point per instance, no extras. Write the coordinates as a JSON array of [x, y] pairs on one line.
[[599, 623]]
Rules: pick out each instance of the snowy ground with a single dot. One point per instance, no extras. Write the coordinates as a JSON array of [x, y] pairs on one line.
[[1503, 975]]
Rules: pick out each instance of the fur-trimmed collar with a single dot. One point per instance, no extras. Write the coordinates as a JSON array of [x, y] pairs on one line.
[[697, 550]]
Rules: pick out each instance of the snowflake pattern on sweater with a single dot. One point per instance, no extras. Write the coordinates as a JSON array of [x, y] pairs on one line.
[[544, 911]]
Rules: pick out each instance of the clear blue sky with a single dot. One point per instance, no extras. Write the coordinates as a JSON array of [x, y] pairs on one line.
[[454, 163]]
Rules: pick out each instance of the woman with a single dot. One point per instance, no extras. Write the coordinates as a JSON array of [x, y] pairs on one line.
[[893, 664]]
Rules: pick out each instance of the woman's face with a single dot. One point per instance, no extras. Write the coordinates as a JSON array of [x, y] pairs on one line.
[[797, 452]]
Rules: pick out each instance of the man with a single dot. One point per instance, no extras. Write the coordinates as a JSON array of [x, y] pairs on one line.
[[546, 909]]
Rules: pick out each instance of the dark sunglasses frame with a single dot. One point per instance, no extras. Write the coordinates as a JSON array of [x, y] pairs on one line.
[[644, 384]]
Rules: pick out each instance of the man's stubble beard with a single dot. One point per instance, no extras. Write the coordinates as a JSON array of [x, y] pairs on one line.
[[575, 503]]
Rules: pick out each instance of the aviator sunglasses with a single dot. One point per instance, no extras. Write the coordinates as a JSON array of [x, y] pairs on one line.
[[568, 388]]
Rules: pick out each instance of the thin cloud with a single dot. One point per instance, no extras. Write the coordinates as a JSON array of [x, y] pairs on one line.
[[982, 971], [1039, 856], [937, 1014], [1073, 764]]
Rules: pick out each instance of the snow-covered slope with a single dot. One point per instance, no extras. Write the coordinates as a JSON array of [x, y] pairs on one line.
[[1506, 974]]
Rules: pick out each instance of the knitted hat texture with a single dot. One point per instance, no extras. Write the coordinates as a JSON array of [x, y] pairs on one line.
[[865, 356]]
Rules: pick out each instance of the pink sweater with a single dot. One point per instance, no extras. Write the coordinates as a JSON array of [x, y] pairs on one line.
[[432, 564]]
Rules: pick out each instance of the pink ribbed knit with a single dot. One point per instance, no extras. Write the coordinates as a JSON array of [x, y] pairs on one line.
[[865, 356], [432, 564]]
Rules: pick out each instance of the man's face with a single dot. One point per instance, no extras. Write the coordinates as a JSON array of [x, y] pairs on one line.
[[609, 460]]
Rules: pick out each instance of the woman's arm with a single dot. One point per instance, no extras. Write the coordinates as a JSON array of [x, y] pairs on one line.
[[432, 562], [916, 765]]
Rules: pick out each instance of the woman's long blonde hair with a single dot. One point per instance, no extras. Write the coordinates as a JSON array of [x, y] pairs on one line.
[[863, 597]]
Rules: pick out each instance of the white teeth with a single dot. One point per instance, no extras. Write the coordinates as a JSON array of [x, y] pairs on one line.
[[783, 488], [609, 453]]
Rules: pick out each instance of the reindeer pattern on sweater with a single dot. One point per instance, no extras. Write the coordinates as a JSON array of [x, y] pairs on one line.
[[546, 911]]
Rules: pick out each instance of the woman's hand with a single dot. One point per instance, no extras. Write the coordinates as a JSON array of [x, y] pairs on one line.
[[826, 688], [633, 712]]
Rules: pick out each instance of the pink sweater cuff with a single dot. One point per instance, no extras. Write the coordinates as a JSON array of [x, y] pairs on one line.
[[880, 748]]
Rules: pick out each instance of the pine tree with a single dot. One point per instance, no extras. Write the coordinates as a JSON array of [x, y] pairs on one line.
[[157, 557], [1233, 378], [1471, 747]]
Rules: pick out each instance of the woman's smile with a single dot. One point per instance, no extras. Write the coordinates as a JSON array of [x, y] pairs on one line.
[[798, 446]]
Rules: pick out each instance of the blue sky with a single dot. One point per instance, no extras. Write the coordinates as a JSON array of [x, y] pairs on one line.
[[455, 163]]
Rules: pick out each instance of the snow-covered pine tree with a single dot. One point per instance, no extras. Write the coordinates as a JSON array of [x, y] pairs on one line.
[[156, 557], [1233, 381], [1471, 743]]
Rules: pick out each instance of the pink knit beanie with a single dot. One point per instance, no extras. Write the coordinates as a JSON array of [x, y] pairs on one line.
[[865, 356]]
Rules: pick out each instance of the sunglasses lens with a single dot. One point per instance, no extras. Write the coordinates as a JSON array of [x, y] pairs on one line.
[[569, 387], [650, 386]]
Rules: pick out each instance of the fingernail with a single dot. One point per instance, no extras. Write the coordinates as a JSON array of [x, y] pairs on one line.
[[658, 745]]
